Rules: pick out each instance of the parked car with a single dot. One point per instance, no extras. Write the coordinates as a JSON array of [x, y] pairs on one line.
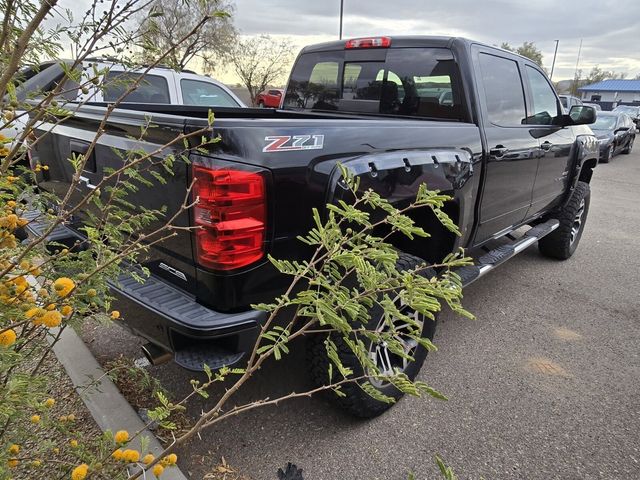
[[594, 105], [569, 101], [160, 85], [270, 98], [632, 110], [387, 125], [615, 132]]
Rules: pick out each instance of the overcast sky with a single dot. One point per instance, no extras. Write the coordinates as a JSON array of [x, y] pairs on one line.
[[610, 29]]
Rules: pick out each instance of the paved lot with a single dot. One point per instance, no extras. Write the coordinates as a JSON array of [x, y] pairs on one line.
[[544, 385]]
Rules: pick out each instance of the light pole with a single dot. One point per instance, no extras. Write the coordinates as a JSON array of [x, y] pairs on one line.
[[341, 16], [555, 54]]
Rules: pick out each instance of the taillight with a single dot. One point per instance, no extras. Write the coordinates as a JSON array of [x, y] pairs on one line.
[[368, 42], [231, 212]]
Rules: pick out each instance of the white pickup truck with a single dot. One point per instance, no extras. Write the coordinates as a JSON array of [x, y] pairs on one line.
[[161, 85]]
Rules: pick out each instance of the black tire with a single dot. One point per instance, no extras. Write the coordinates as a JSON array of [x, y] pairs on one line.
[[608, 155], [357, 402], [563, 241], [627, 150]]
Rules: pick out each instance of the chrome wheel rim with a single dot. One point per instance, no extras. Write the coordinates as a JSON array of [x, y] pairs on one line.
[[577, 221], [610, 154], [387, 362]]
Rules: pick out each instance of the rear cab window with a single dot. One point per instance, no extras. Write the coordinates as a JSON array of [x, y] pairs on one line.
[[410, 81], [150, 89]]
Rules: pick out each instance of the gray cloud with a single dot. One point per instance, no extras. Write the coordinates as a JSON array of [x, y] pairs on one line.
[[610, 29]]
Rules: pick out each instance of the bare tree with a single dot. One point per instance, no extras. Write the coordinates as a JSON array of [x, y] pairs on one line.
[[165, 23], [261, 61]]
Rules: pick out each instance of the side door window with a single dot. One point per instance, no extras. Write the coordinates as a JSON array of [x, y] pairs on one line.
[[503, 90], [544, 109]]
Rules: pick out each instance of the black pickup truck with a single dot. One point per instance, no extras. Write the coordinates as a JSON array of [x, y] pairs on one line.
[[479, 123]]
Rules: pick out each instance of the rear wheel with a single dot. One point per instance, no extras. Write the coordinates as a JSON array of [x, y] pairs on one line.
[[356, 401], [563, 242]]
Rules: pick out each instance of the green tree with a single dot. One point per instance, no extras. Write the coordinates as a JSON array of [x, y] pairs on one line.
[[527, 49]]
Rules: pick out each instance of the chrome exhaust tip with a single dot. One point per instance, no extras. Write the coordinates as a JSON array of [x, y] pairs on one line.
[[155, 354]]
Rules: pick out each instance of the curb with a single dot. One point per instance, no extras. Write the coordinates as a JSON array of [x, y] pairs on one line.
[[108, 407]]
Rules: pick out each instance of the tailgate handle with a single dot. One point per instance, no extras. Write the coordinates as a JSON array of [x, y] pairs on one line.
[[498, 151], [80, 148]]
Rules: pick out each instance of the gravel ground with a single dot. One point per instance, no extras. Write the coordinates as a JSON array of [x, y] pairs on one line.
[[545, 384]]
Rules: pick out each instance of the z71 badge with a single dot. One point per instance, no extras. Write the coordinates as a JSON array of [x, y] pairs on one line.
[[292, 143]]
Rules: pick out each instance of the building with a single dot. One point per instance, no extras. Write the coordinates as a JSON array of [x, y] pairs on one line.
[[614, 91]]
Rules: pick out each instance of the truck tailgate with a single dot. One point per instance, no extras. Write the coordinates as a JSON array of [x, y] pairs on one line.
[[173, 258]]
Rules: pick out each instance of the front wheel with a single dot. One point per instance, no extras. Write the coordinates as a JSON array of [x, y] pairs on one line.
[[563, 242], [356, 401], [627, 150], [608, 155]]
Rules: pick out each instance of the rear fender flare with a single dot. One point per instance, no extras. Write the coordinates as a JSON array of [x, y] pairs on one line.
[[397, 176]]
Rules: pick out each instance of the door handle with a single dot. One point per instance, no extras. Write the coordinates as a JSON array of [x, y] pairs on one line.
[[546, 146], [498, 151]]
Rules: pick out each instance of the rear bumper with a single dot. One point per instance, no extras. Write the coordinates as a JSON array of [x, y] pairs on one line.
[[175, 321], [171, 318]]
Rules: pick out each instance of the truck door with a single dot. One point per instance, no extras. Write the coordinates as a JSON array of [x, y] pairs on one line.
[[556, 142], [511, 147]]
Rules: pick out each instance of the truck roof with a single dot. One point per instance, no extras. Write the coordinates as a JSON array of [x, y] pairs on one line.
[[396, 41], [408, 41]]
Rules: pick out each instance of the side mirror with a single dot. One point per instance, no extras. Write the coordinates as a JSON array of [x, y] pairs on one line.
[[582, 115], [621, 129]]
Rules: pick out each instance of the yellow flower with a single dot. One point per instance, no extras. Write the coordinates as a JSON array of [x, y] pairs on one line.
[[14, 449], [73, 443], [118, 454], [63, 286], [13, 462], [80, 472], [92, 292], [56, 450], [35, 418], [25, 265], [122, 436], [131, 456], [8, 338], [157, 470], [49, 402], [63, 418], [148, 458], [71, 417], [11, 204], [51, 306], [10, 221], [66, 310], [36, 463], [169, 460], [52, 319], [45, 167], [115, 315], [43, 293]]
